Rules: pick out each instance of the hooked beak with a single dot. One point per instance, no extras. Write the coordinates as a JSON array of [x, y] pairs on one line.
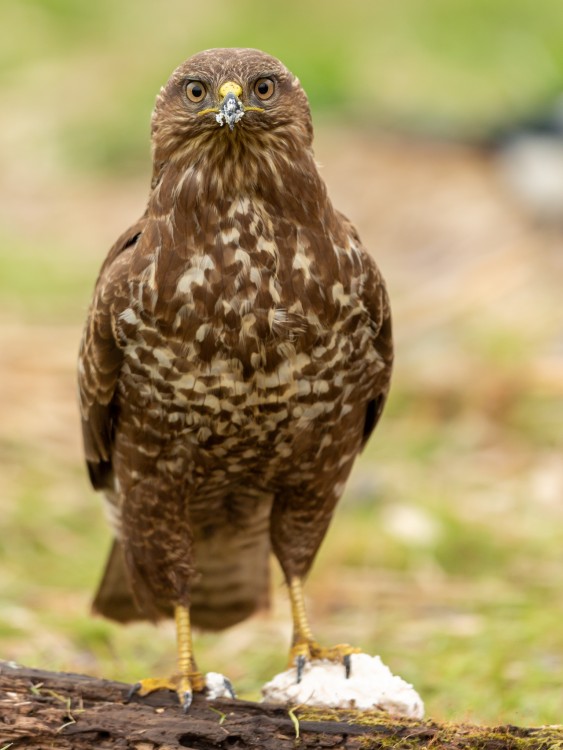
[[231, 109]]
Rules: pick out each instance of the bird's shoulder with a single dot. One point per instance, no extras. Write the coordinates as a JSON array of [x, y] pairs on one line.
[[126, 240], [364, 272]]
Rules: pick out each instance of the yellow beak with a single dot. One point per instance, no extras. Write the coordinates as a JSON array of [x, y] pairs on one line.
[[231, 108], [232, 88]]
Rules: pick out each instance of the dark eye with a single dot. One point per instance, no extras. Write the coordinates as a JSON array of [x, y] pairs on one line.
[[195, 91], [264, 88]]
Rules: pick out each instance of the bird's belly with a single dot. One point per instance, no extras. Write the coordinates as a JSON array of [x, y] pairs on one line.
[[218, 418]]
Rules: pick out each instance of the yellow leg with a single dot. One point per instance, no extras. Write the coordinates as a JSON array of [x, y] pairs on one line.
[[301, 628], [188, 679], [304, 646]]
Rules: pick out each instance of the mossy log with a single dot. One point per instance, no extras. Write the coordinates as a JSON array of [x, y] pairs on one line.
[[59, 711]]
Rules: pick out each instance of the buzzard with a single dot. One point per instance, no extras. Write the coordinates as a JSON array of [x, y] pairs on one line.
[[235, 359]]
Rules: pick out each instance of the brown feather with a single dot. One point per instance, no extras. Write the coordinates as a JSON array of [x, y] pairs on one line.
[[236, 357]]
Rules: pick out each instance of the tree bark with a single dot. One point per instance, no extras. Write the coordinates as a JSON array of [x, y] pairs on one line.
[[60, 711]]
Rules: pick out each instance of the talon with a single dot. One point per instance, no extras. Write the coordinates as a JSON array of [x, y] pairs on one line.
[[305, 648], [133, 690], [229, 687], [187, 700], [300, 662]]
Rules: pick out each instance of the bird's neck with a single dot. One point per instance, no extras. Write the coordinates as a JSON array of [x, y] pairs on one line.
[[286, 182]]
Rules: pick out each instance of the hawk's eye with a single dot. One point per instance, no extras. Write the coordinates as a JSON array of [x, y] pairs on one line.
[[264, 88], [195, 91]]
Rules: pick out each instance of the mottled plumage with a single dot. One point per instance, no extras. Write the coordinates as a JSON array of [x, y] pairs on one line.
[[236, 356]]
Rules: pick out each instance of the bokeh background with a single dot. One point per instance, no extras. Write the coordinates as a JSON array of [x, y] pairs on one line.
[[446, 554]]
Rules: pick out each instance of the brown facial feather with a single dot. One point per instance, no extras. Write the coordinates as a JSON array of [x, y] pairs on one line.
[[236, 356]]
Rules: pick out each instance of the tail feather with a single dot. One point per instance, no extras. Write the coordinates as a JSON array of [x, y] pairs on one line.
[[114, 598], [234, 582]]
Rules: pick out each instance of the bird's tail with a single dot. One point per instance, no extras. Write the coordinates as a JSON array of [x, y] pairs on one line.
[[114, 598], [234, 578], [233, 582]]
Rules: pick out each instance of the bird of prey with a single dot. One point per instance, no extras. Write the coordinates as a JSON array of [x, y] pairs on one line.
[[235, 359]]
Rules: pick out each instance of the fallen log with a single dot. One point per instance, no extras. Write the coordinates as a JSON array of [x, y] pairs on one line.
[[60, 711]]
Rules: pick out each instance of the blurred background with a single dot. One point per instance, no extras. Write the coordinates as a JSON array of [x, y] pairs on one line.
[[439, 133]]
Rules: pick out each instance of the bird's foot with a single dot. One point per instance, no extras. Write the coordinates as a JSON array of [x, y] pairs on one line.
[[307, 651], [184, 685]]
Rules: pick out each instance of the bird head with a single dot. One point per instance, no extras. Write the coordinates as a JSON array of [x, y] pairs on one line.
[[229, 102]]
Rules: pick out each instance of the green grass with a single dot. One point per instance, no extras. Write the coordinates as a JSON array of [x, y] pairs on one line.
[[44, 281]]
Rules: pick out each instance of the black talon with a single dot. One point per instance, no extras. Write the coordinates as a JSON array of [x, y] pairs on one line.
[[229, 687], [300, 664], [347, 664], [133, 691], [188, 697]]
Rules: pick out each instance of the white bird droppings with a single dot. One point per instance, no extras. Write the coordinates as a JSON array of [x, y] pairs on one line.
[[371, 685], [217, 686]]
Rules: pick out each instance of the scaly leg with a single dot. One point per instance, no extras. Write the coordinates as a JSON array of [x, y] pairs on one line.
[[304, 646], [188, 679]]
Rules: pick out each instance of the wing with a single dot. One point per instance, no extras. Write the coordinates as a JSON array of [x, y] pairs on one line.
[[100, 358], [376, 301]]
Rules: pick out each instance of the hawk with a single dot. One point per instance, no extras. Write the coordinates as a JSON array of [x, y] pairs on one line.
[[235, 359]]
